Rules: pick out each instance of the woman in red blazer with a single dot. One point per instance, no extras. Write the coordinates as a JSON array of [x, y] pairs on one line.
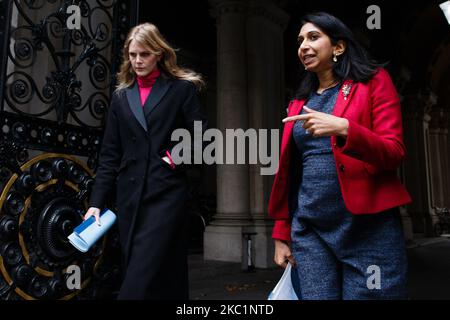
[[336, 194]]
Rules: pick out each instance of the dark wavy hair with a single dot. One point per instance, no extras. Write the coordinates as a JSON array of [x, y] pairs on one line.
[[354, 63]]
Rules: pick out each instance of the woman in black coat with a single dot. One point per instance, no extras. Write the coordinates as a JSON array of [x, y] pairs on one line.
[[154, 97]]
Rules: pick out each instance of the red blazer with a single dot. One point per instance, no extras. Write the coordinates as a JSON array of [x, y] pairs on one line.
[[366, 161]]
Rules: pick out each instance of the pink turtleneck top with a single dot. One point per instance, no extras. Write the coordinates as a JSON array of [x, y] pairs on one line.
[[146, 83]]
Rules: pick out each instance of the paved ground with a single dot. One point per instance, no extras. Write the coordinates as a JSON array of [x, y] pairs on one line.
[[429, 275], [429, 269]]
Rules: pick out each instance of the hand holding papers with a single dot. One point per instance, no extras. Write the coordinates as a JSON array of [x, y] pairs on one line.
[[88, 232]]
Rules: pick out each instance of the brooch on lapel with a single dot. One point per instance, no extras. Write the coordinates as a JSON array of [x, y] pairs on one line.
[[346, 90]]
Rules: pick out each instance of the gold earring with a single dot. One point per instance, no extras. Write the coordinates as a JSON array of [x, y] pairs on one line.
[[334, 57]]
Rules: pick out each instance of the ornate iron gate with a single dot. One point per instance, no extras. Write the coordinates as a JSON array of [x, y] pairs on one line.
[[55, 84]]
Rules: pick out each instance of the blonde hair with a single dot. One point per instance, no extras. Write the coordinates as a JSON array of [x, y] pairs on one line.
[[147, 34]]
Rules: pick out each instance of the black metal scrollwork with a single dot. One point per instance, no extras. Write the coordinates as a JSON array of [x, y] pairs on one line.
[[74, 53], [46, 135], [40, 206], [55, 87], [78, 79]]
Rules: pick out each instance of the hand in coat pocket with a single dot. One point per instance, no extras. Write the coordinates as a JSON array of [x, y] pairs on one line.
[[168, 159]]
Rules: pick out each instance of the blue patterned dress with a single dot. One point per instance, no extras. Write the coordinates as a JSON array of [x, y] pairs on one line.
[[340, 255]]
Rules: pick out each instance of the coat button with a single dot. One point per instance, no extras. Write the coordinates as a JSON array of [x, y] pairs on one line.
[[133, 138], [341, 167], [132, 180], [334, 144]]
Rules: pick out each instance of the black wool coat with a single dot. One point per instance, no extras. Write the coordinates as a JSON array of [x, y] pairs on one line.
[[150, 195]]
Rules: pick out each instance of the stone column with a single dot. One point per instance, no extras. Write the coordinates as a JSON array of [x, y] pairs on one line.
[[265, 56], [445, 164], [429, 101], [437, 157], [250, 87], [446, 148], [223, 237]]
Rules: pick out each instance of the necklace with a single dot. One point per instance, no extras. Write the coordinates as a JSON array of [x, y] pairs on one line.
[[333, 83]]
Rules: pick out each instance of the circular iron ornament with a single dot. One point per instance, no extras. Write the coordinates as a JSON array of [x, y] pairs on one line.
[[11, 254], [22, 51], [19, 130], [14, 203], [57, 221], [98, 105], [56, 29], [60, 167], [39, 208], [77, 37], [48, 93], [8, 227], [47, 135], [21, 91], [75, 101], [99, 73], [25, 183], [41, 171]]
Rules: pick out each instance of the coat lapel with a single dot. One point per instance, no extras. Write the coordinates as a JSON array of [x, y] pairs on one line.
[[296, 108], [159, 89], [134, 101], [344, 96]]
